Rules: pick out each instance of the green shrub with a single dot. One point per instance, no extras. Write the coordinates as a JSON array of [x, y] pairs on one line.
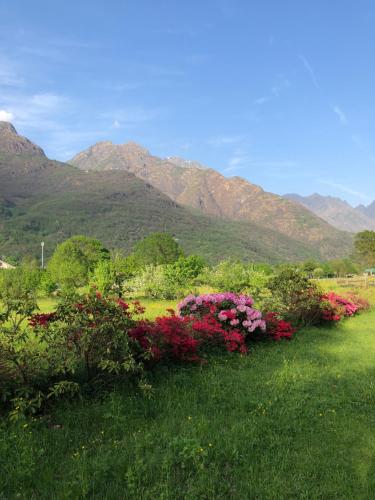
[[295, 298], [83, 343], [157, 282]]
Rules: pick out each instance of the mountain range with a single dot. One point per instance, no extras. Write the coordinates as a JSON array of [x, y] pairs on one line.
[[190, 184], [338, 212], [120, 193]]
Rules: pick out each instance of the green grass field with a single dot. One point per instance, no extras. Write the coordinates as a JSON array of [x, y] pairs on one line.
[[291, 420]]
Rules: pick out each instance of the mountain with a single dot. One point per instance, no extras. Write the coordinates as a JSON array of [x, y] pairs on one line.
[[337, 212], [368, 211], [193, 185], [45, 200], [8, 144]]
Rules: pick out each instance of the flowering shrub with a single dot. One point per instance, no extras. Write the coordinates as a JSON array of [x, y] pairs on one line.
[[89, 335], [235, 312], [336, 307], [185, 338], [361, 303], [277, 328]]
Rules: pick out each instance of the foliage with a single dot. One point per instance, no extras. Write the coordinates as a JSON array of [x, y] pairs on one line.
[[238, 277], [185, 270], [83, 342], [296, 298], [364, 244], [157, 248], [74, 260], [47, 284], [89, 335], [157, 282]]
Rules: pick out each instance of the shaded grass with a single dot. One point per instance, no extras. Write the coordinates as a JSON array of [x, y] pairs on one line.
[[292, 420]]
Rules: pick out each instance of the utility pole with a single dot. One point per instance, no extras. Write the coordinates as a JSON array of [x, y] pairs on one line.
[[42, 245]]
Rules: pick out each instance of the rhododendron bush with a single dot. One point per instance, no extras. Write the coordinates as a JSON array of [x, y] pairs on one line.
[[232, 310], [335, 307], [186, 338]]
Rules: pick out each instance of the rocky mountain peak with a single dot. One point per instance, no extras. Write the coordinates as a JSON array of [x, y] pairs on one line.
[[11, 142]]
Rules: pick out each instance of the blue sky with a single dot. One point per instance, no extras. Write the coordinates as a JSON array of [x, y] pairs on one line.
[[279, 92]]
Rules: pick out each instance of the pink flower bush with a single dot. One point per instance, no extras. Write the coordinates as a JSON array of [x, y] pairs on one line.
[[337, 307], [231, 309]]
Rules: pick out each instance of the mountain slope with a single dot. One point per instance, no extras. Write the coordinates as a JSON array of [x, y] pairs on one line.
[[206, 189], [47, 200], [336, 212], [368, 211]]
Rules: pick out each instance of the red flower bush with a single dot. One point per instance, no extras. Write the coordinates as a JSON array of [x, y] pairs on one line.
[[277, 328], [335, 307], [361, 303], [185, 338]]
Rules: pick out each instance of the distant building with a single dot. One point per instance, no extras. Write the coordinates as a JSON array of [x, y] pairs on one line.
[[5, 265], [370, 271]]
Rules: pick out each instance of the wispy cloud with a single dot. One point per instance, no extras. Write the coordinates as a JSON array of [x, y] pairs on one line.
[[277, 164], [8, 74], [236, 162], [134, 115], [224, 140], [275, 91], [309, 70], [346, 189], [262, 100], [340, 114], [34, 111]]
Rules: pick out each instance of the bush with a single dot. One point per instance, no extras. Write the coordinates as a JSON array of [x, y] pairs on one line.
[[89, 336], [231, 310], [277, 328], [295, 298], [336, 307], [186, 338], [83, 342], [158, 282]]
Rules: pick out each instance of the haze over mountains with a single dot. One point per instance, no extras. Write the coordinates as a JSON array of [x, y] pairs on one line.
[[121, 193], [338, 212]]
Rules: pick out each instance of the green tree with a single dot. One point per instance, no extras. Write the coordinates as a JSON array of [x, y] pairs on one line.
[[342, 267], [185, 269], [74, 260], [157, 248], [364, 244]]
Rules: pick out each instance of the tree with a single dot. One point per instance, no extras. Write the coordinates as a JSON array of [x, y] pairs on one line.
[[74, 260], [157, 248], [364, 244], [185, 269]]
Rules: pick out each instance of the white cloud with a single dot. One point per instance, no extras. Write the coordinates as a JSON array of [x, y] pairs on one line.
[[6, 116], [36, 110], [116, 124], [341, 115], [310, 70]]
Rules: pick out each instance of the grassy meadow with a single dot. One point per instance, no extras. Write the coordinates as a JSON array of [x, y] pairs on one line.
[[291, 420]]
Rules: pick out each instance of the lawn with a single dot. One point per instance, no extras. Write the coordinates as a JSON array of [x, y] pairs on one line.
[[291, 420]]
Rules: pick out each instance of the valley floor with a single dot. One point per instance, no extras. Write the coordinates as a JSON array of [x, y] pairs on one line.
[[291, 420]]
